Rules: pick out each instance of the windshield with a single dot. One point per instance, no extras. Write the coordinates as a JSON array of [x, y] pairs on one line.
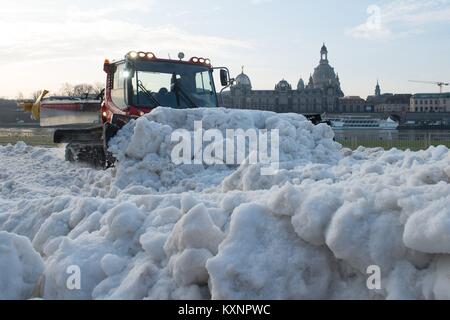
[[173, 85]]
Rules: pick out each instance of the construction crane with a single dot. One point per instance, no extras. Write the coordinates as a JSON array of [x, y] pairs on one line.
[[439, 84]]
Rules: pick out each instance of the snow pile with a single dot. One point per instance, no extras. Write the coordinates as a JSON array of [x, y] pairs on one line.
[[262, 258], [21, 267], [33, 172], [151, 230], [148, 162]]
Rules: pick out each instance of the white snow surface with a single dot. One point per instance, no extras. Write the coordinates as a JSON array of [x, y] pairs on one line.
[[149, 229]]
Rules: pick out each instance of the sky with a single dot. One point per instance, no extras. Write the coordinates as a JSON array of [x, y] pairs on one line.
[[46, 43]]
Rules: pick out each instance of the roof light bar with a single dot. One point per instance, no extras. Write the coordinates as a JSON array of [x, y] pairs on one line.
[[140, 55], [150, 56], [201, 61]]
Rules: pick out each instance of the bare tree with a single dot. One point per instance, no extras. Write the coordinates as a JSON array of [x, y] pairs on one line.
[[66, 90], [82, 89], [97, 88]]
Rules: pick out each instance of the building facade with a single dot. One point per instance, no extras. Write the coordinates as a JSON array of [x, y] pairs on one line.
[[394, 103], [320, 94], [352, 104], [430, 102]]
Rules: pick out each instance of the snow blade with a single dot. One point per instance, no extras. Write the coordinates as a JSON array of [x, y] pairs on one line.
[[92, 135]]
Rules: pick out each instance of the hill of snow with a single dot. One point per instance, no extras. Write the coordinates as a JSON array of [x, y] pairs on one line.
[[149, 229]]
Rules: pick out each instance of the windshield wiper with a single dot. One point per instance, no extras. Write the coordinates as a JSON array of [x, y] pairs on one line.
[[149, 94], [184, 95]]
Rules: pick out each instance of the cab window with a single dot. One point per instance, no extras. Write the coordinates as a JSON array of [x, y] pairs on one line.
[[118, 91]]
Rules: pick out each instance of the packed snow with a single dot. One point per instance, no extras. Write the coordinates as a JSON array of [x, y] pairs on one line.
[[150, 229]]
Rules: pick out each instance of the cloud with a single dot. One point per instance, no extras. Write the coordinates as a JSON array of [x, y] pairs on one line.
[[46, 43], [401, 18], [60, 31]]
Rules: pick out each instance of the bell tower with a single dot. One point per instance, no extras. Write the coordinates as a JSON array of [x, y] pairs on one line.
[[324, 54], [378, 89]]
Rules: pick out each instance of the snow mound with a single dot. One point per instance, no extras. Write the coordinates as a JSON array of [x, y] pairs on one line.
[[21, 267], [148, 162], [36, 172], [150, 229], [256, 261]]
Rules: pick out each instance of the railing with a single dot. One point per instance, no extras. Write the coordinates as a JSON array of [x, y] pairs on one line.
[[416, 141]]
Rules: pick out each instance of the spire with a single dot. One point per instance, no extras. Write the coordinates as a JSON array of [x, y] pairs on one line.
[[324, 54], [242, 67], [378, 89], [311, 81], [301, 84]]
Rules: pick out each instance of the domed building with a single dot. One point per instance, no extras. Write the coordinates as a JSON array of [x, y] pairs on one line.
[[324, 74], [321, 94], [283, 86], [243, 80], [242, 85]]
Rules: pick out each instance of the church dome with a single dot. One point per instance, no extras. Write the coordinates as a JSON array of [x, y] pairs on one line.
[[243, 80], [324, 74], [283, 85]]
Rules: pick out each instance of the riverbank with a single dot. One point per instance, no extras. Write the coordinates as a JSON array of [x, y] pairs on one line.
[[30, 135]]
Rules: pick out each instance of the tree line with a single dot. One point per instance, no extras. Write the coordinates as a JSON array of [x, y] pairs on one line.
[[69, 90]]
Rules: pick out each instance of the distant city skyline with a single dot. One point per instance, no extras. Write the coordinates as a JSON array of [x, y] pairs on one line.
[[47, 43]]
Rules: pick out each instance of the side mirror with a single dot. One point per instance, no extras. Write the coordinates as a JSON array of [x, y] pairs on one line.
[[224, 78]]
